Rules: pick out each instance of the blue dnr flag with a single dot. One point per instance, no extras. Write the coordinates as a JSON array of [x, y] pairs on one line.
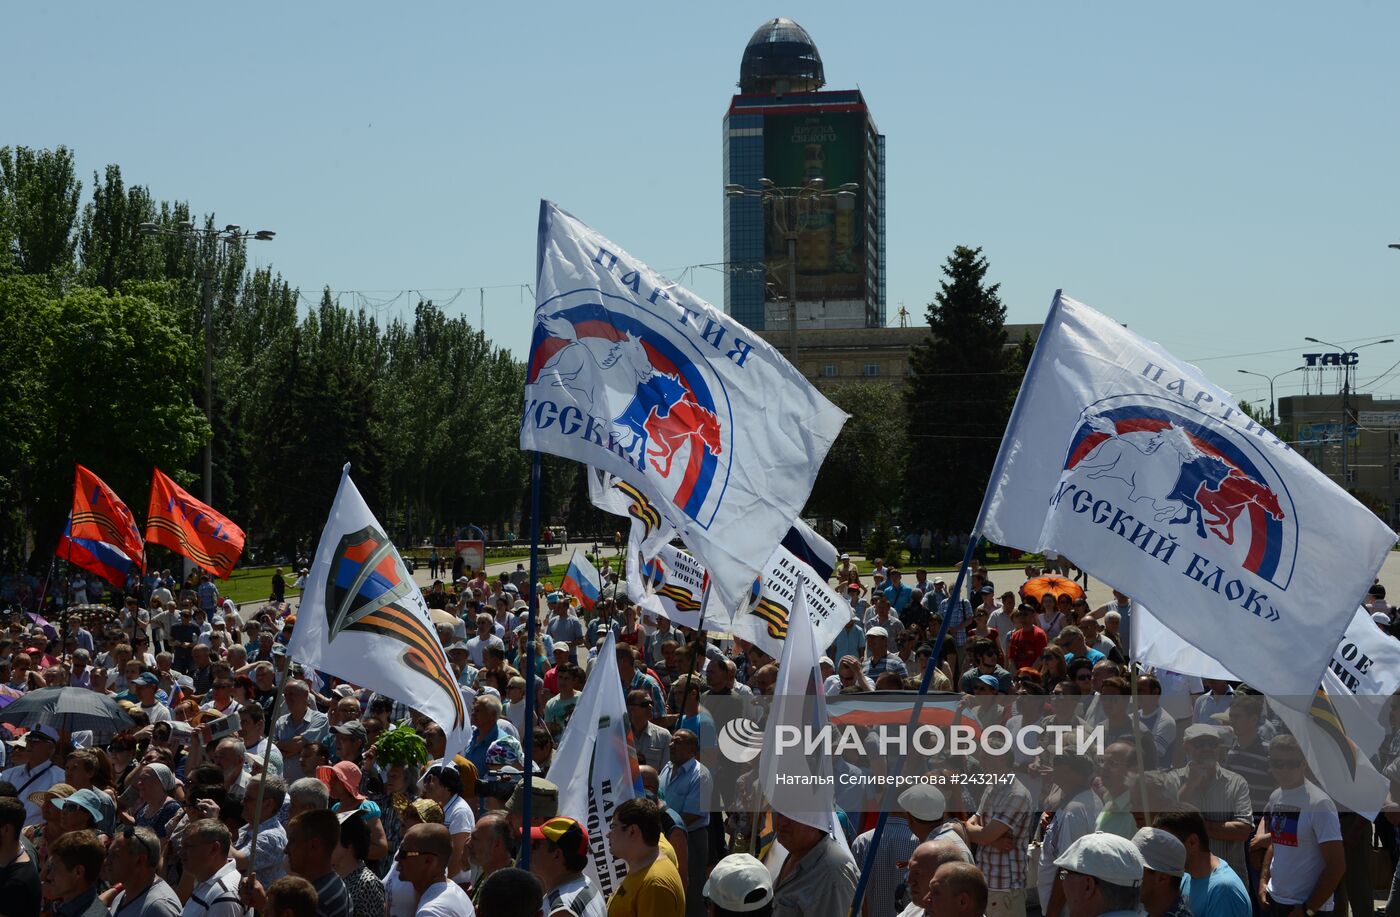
[[639, 377]]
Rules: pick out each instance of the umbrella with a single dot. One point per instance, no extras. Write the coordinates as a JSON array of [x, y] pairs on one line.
[[1058, 585], [444, 617], [71, 709]]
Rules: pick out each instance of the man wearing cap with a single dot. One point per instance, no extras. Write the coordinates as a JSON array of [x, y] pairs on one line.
[[1164, 863], [925, 809], [878, 658], [146, 686], [1076, 816], [896, 847], [34, 770], [1221, 795], [350, 739], [739, 884], [558, 856], [1101, 874]]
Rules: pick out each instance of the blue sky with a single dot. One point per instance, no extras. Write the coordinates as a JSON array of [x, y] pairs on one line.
[[1221, 177]]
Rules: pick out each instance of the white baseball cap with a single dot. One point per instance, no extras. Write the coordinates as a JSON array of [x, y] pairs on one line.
[[924, 801], [1161, 851], [1106, 857], [739, 883], [877, 632]]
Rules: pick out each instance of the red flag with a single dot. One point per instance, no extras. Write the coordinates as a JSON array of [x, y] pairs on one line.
[[101, 535], [181, 523]]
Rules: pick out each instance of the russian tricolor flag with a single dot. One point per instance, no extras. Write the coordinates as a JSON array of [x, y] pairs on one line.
[[582, 581]]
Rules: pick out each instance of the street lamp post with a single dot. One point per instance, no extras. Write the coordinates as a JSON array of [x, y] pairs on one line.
[[1346, 391], [1272, 422], [231, 234], [798, 200]]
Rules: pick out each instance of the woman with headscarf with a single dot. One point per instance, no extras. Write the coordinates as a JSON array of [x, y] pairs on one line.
[[154, 785]]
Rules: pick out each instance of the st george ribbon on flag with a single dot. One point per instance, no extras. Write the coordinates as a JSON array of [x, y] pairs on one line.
[[595, 766], [362, 618], [1338, 727], [1128, 459], [639, 377], [178, 521]]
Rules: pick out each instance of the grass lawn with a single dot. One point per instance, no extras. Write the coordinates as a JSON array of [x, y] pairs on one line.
[[253, 584]]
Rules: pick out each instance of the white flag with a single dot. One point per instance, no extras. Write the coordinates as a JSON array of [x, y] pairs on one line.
[[766, 623], [1338, 728], [363, 619], [613, 495], [640, 377], [797, 784], [1131, 462], [595, 766], [672, 585]]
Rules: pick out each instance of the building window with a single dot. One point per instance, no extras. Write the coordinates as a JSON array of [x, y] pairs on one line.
[[1351, 477], [872, 369], [1395, 472], [829, 370]]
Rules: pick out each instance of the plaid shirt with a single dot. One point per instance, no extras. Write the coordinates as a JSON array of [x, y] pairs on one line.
[[1010, 804], [889, 876], [874, 668]]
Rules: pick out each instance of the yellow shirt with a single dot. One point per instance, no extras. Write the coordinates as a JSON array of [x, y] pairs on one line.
[[652, 892], [669, 852]]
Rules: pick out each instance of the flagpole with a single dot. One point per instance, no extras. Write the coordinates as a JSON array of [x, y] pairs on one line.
[[997, 468], [889, 794], [531, 615], [271, 737]]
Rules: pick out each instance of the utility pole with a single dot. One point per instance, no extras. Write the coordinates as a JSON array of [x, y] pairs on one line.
[[792, 297], [207, 300]]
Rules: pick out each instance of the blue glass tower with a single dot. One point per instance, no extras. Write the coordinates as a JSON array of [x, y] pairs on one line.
[[783, 128]]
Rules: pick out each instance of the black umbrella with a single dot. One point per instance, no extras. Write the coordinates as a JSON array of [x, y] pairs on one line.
[[71, 709]]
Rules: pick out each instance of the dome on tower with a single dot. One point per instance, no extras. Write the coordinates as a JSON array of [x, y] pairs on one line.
[[780, 58]]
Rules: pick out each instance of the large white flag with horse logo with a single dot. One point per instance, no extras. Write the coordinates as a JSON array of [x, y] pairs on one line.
[[640, 377], [1135, 466], [362, 618], [595, 766]]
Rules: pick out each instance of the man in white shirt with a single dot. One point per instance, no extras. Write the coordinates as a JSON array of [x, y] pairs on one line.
[[205, 851], [34, 770], [1304, 863], [422, 859]]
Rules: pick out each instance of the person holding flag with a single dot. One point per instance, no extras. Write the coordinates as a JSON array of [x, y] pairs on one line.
[[581, 580]]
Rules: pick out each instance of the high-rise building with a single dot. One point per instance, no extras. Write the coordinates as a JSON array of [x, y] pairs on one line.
[[794, 147]]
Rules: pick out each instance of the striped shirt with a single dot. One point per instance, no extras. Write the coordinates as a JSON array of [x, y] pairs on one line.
[[332, 898], [889, 875], [1252, 764], [1010, 804]]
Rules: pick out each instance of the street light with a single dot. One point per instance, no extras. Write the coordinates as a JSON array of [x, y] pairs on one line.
[[1346, 390], [230, 235], [1249, 372], [793, 217]]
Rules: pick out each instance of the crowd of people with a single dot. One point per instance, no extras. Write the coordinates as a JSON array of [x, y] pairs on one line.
[[212, 796]]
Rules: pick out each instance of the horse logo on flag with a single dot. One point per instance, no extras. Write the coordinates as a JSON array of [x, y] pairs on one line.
[[1190, 471], [630, 383], [366, 591]]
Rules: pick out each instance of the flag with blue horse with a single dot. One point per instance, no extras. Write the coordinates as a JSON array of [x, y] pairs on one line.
[[639, 377]]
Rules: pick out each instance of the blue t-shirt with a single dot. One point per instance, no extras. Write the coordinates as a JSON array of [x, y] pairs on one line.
[[1220, 894]]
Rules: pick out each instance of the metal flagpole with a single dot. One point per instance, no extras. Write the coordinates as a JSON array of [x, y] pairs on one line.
[[531, 617], [890, 788], [270, 734], [1036, 355]]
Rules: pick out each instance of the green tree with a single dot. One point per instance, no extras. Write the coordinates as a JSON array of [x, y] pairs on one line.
[[111, 247], [871, 450], [37, 219], [115, 372], [959, 397]]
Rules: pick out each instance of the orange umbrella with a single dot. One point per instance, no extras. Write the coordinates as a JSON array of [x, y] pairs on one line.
[[1058, 585]]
